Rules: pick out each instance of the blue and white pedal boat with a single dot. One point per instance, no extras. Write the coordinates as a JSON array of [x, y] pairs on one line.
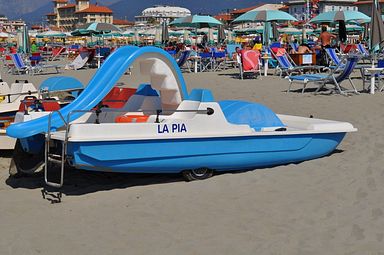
[[169, 130]]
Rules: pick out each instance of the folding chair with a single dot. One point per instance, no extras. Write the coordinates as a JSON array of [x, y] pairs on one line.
[[249, 62], [183, 62]]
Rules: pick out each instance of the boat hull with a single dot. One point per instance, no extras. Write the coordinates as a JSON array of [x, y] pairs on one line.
[[220, 154]]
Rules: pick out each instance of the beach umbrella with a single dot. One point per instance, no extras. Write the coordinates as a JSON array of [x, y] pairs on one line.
[[335, 16], [196, 21], [250, 30], [267, 32], [342, 31], [221, 34], [230, 37], [294, 31], [50, 33], [25, 43], [136, 37], [377, 28], [186, 39], [158, 36], [98, 27], [264, 16], [275, 33], [164, 33], [211, 39], [4, 35]]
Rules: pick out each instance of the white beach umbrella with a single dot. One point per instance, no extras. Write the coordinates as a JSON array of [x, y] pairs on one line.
[[158, 35], [4, 35], [186, 38], [211, 39]]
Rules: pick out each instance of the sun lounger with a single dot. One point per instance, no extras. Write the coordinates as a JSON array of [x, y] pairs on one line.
[[21, 67], [287, 65], [79, 62], [334, 78]]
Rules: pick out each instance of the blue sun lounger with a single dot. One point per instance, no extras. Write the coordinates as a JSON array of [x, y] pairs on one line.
[[286, 65], [334, 78]]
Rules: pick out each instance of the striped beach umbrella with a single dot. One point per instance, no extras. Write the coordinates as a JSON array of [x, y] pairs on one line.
[[264, 16], [164, 32], [377, 28]]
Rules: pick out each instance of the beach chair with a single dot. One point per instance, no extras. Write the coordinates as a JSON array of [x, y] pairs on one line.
[[294, 46], [56, 52], [79, 62], [19, 66], [363, 51], [206, 61], [231, 59], [334, 78], [249, 62], [287, 65], [332, 55], [219, 60], [183, 62]]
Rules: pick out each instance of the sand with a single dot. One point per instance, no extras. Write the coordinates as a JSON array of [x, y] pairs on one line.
[[331, 205]]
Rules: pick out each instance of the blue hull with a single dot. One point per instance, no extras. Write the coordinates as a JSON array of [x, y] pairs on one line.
[[220, 154]]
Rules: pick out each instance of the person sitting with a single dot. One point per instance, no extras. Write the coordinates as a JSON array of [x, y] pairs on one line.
[[303, 48]]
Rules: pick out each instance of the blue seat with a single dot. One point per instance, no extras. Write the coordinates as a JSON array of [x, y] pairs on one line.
[[182, 62], [255, 115]]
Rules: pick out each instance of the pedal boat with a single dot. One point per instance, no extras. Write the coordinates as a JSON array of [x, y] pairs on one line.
[[163, 129], [22, 94]]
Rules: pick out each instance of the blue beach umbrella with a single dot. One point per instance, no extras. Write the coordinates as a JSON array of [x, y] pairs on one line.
[[50, 33], [336, 16]]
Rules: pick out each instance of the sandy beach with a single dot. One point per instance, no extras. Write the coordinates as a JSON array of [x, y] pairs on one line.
[[331, 205]]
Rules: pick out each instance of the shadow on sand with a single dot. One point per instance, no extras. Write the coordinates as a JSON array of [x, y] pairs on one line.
[[81, 182]]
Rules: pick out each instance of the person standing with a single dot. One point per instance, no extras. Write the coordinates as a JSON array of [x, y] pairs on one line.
[[325, 37]]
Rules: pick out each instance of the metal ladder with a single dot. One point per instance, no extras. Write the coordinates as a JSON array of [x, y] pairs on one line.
[[54, 158]]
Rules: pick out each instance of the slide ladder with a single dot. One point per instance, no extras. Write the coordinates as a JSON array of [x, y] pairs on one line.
[[54, 158]]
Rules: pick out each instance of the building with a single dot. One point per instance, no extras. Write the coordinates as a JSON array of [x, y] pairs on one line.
[[10, 25], [71, 15], [159, 13], [123, 24], [304, 9], [365, 6]]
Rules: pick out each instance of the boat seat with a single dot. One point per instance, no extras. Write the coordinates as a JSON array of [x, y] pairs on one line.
[[117, 97], [257, 116], [131, 118], [27, 102], [50, 106], [163, 80]]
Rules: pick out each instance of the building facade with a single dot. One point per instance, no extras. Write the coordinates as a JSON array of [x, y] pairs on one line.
[[307, 9], [10, 26], [365, 6], [67, 16], [159, 13]]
